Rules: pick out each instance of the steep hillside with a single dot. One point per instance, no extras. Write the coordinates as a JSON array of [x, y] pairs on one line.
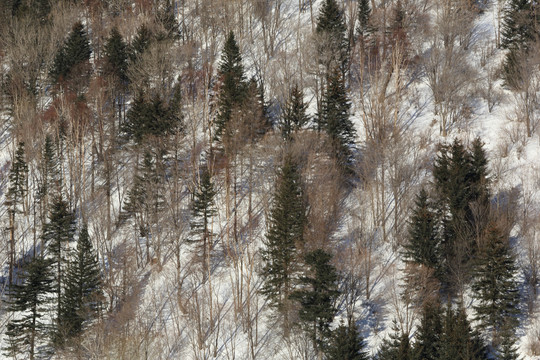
[[270, 179]]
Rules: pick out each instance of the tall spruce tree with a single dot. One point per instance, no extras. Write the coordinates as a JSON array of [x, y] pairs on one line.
[[234, 86], [145, 199], [148, 119], [203, 208], [459, 341], [335, 120], [18, 177], [423, 245], [83, 292], [76, 51], [57, 233], [141, 42], [494, 285], [51, 179], [170, 27], [287, 221], [518, 24], [429, 333], [116, 56], [317, 297], [364, 14], [333, 47], [506, 349], [17, 190], [396, 347], [461, 182], [346, 344], [29, 303], [294, 115]]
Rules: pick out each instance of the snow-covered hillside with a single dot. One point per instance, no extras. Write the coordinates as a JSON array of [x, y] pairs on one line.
[[430, 78]]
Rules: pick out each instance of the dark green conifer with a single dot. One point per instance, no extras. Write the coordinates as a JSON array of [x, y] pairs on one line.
[[154, 118], [494, 285], [57, 233], [423, 245], [75, 51], [140, 43], [294, 115], [346, 344], [335, 120], [459, 186], [82, 293], [51, 179], [396, 347], [167, 19], [316, 297], [287, 221], [116, 56], [459, 341], [518, 24], [203, 208], [17, 190], [233, 90], [364, 14], [29, 303], [333, 47], [507, 343], [429, 333], [18, 177]]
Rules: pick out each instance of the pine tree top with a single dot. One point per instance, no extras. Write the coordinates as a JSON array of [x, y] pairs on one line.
[[76, 50], [116, 55], [330, 19], [231, 60]]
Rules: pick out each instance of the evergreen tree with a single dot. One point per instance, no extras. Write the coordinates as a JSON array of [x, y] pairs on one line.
[[459, 341], [167, 19], [29, 302], [145, 199], [287, 221], [233, 90], [334, 47], [429, 333], [141, 42], [57, 234], [76, 51], [294, 115], [518, 24], [17, 190], [423, 245], [397, 347], [494, 286], [203, 209], [82, 288], [334, 119], [116, 56], [364, 14], [153, 119], [461, 181], [18, 177], [512, 68], [346, 344], [50, 182], [317, 296], [479, 172], [507, 347], [35, 9]]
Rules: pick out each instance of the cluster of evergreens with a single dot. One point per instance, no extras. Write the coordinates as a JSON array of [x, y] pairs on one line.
[[520, 31], [454, 235], [461, 240], [55, 290]]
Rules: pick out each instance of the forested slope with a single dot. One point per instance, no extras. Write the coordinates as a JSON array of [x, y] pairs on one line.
[[270, 179]]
